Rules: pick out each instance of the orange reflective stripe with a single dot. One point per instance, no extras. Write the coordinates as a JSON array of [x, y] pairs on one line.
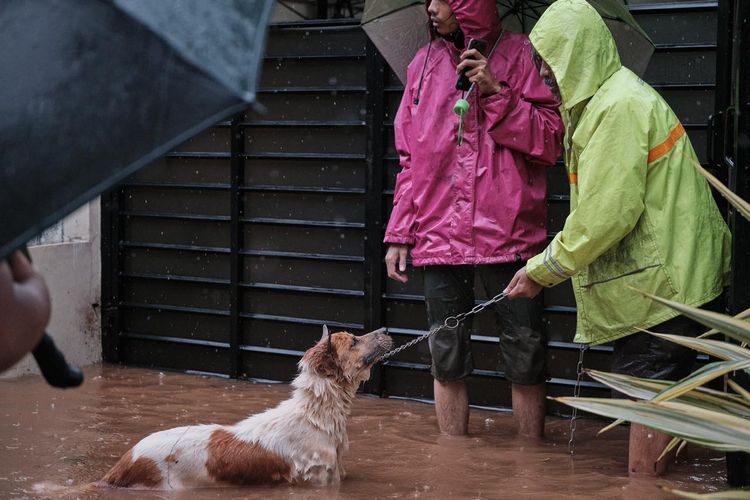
[[573, 177], [663, 148]]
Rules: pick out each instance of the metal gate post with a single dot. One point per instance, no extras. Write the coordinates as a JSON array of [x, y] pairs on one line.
[[374, 202], [111, 265], [734, 18], [237, 176], [722, 92], [739, 152]]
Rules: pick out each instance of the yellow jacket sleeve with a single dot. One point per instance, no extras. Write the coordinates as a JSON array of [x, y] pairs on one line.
[[608, 184]]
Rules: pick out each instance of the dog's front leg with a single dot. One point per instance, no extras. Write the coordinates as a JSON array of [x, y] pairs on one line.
[[340, 463], [322, 475], [340, 452]]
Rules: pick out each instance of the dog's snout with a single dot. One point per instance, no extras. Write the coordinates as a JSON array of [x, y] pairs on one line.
[[381, 339], [384, 340], [378, 343]]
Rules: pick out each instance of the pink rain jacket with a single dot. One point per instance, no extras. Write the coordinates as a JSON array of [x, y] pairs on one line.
[[484, 201]]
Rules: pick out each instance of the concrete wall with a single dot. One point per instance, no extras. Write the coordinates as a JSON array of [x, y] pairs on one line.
[[68, 256]]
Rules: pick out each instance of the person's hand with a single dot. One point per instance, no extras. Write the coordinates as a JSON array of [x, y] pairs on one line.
[[24, 309], [522, 286], [397, 254], [478, 72]]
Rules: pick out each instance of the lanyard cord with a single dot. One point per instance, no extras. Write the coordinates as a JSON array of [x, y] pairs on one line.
[[421, 78]]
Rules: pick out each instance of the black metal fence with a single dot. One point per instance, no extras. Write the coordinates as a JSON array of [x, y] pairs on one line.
[[229, 255]]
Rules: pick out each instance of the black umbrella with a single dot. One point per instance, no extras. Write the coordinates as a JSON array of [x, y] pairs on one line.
[[398, 28], [92, 90], [633, 44]]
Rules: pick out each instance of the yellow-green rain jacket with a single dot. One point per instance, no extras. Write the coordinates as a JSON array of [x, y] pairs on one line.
[[640, 213]]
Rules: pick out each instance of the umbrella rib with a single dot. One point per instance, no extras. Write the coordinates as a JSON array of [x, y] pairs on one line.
[[533, 6], [286, 4]]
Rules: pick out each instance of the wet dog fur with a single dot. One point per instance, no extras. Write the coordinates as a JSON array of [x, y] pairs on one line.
[[302, 440]]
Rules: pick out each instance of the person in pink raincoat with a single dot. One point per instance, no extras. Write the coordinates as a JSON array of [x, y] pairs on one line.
[[479, 206]]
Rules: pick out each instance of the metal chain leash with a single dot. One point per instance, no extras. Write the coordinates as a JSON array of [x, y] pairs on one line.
[[576, 393], [450, 322]]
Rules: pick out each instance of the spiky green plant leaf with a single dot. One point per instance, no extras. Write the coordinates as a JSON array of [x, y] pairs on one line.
[[737, 202], [744, 315], [641, 388], [744, 393], [674, 443], [692, 383], [717, 430], [702, 376], [716, 348], [732, 327]]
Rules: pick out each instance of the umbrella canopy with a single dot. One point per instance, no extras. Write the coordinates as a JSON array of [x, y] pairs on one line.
[[398, 28], [92, 90]]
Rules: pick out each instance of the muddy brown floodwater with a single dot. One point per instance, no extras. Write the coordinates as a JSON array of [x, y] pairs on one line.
[[53, 443]]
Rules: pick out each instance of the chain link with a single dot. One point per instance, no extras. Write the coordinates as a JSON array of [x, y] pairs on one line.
[[451, 322], [576, 393]]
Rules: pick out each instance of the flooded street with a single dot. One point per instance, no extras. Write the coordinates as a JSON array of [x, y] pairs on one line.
[[53, 443]]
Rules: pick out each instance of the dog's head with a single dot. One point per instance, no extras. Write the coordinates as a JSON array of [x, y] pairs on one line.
[[344, 357]]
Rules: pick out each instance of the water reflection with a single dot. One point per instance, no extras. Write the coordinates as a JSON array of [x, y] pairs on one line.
[[52, 443]]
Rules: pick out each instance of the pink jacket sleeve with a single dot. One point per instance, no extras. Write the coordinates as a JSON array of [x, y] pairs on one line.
[[524, 116], [400, 227]]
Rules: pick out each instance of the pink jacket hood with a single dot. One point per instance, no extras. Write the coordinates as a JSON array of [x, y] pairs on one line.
[[476, 18], [484, 201]]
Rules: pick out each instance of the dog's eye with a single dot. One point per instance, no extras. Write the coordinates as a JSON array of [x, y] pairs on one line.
[[355, 341]]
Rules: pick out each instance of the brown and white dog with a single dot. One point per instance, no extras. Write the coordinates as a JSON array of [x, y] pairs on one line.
[[302, 440]]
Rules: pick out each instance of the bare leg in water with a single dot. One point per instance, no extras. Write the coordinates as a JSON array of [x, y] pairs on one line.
[[529, 409], [644, 448], [452, 407]]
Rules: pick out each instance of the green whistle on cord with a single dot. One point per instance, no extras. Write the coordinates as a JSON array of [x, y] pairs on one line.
[[460, 108]]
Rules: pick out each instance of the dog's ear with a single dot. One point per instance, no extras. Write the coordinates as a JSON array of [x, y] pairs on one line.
[[326, 335], [321, 360]]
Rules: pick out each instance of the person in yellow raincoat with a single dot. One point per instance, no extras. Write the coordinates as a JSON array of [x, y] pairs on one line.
[[641, 215]]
